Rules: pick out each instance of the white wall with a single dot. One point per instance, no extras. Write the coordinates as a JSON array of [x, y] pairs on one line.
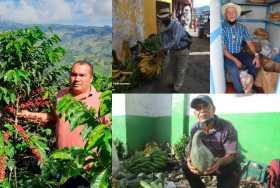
[[258, 13], [118, 104], [252, 26], [274, 35], [152, 105], [234, 103]]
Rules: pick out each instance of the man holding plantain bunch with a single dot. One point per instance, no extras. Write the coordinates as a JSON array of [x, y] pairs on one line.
[[212, 149], [176, 40]]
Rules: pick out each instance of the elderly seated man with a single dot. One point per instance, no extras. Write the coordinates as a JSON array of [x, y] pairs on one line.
[[235, 57]]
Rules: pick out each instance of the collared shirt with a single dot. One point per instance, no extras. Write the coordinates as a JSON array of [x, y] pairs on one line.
[[65, 137], [172, 36], [220, 140], [234, 35]]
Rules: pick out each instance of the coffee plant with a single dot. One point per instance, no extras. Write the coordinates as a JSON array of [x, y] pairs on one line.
[[30, 76]]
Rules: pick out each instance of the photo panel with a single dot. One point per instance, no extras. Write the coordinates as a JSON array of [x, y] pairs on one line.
[[161, 46], [245, 46], [194, 140], [55, 93]]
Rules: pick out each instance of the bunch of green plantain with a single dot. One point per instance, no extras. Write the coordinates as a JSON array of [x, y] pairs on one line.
[[153, 184], [154, 161], [152, 44]]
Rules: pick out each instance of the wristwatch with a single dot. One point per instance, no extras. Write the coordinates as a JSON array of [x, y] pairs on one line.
[[256, 54]]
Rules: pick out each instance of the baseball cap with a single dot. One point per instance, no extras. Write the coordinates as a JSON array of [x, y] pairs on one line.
[[201, 99]]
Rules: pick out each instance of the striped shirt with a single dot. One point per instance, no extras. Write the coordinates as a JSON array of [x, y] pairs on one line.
[[220, 140], [234, 35], [173, 36]]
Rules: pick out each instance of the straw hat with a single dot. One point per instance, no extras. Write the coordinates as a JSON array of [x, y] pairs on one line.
[[164, 13], [228, 5]]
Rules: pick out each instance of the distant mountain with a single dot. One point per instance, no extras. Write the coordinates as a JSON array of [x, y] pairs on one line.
[[81, 42]]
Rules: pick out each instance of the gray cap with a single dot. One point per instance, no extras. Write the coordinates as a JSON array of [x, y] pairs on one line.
[[201, 99]]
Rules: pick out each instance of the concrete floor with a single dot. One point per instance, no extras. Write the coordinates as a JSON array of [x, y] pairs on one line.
[[197, 74]]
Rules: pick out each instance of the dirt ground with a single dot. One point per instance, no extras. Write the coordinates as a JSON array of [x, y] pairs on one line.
[[197, 74]]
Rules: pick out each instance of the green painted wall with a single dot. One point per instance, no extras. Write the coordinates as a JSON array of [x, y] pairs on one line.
[[258, 134], [177, 118], [119, 129], [136, 131], [140, 130], [163, 129]]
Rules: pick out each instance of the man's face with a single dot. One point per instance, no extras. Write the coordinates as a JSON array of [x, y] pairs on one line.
[[166, 21], [80, 78], [231, 14], [204, 111]]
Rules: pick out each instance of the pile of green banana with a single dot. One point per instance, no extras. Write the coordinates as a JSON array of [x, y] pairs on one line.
[[154, 161], [153, 184]]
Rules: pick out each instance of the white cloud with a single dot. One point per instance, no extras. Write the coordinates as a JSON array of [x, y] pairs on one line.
[[199, 3], [22, 12], [55, 10], [94, 9], [90, 12]]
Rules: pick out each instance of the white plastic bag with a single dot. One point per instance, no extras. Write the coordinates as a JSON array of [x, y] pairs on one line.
[[247, 81]]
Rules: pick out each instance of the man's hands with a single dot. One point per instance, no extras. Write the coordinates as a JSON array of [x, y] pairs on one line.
[[214, 168], [37, 117], [192, 169], [238, 63], [89, 165], [257, 62], [23, 114]]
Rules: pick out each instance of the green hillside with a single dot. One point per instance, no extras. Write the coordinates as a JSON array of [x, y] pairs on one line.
[[80, 42]]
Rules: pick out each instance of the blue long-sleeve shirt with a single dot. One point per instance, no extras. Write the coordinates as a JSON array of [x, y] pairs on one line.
[[173, 36]]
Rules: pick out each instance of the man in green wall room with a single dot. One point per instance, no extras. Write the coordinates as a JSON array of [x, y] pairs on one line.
[[218, 138]]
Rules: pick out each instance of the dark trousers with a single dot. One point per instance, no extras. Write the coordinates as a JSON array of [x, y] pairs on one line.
[[229, 177], [75, 182], [247, 61]]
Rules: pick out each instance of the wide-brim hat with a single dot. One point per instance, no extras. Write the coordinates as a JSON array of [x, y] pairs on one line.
[[228, 5], [163, 13]]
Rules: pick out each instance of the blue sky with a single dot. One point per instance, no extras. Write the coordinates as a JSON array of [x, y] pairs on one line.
[[76, 12]]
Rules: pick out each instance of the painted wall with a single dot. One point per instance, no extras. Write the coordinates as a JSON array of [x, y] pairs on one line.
[[128, 23], [150, 21], [133, 20], [217, 73], [146, 118], [274, 30], [119, 118], [148, 105], [142, 118], [256, 119], [251, 19]]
